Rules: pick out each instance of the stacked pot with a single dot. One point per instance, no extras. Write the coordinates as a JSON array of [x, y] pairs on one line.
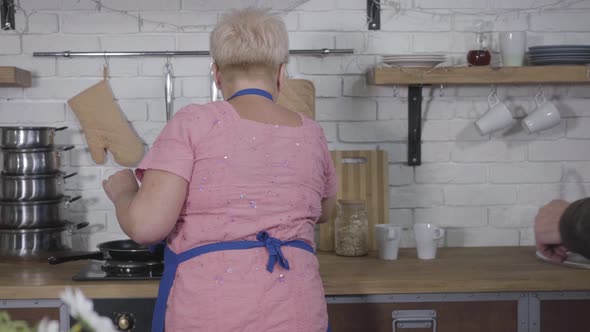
[[33, 208]]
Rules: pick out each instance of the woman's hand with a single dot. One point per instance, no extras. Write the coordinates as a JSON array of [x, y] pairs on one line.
[[547, 236], [119, 184]]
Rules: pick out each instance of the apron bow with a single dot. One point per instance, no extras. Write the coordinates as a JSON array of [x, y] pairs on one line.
[[275, 254]]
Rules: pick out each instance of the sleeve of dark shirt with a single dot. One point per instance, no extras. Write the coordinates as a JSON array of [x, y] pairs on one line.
[[574, 227]]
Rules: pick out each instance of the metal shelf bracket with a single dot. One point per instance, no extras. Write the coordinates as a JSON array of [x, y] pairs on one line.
[[7, 14], [374, 14], [414, 125]]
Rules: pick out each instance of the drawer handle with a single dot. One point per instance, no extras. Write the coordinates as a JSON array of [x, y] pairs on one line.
[[354, 160], [414, 319]]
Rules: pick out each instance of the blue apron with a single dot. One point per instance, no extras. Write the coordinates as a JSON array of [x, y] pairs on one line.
[[172, 260]]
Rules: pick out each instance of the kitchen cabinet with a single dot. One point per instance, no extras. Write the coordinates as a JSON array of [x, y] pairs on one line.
[[470, 289], [14, 77], [33, 311], [484, 316], [32, 315], [560, 311], [565, 315]]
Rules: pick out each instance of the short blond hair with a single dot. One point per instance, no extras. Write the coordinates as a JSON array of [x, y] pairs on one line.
[[250, 37]]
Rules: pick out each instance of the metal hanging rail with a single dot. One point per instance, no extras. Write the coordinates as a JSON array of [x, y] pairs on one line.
[[68, 54]]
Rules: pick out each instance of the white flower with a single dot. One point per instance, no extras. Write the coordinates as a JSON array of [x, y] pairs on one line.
[[82, 309], [79, 305], [47, 325]]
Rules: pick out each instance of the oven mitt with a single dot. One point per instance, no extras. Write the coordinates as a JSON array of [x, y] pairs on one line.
[[105, 126]]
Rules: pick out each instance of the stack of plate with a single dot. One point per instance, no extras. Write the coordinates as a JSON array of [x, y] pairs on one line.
[[559, 55], [414, 60]]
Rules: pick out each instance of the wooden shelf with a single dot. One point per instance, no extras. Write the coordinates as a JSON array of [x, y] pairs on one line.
[[14, 77], [480, 75], [415, 78]]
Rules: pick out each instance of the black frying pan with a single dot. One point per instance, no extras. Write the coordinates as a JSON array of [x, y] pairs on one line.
[[119, 250]]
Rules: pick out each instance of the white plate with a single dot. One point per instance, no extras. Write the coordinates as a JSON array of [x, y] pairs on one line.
[[413, 60], [573, 260], [554, 47], [560, 51], [560, 61], [414, 63], [413, 55], [558, 55]]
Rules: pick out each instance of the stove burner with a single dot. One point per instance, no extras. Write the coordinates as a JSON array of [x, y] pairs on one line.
[[132, 269]]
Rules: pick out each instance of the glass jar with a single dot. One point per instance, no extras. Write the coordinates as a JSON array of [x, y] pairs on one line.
[[352, 228], [479, 54]]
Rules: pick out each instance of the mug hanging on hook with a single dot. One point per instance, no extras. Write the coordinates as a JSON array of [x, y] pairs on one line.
[[497, 117], [545, 116]]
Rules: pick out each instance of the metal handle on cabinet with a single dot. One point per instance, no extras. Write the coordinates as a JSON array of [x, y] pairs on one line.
[[125, 322], [414, 319]]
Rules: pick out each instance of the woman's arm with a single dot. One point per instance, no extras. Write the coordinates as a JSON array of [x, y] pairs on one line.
[[147, 214], [328, 205]]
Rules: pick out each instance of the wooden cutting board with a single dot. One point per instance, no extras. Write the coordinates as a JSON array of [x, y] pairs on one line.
[[361, 175], [298, 95]]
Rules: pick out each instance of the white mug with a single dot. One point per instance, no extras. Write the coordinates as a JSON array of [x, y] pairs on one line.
[[497, 117], [512, 48], [545, 116], [388, 237], [427, 236]]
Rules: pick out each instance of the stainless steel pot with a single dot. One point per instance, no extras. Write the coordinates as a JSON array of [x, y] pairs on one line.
[[28, 137], [33, 161], [32, 187], [35, 214], [27, 244]]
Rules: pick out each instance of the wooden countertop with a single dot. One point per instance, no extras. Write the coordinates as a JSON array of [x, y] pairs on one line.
[[456, 270]]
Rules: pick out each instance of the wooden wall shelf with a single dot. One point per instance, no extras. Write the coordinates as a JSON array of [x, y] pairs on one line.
[[480, 75], [415, 78], [14, 77]]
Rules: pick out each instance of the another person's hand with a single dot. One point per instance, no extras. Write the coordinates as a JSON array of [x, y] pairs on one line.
[[120, 183], [547, 236]]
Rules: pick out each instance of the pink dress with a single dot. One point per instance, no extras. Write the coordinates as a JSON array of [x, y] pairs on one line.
[[244, 177]]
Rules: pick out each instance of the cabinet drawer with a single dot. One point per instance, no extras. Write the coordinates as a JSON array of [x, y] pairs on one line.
[[565, 315], [488, 316], [32, 315]]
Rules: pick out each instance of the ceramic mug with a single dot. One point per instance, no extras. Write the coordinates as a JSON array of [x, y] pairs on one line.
[[545, 116], [388, 237], [497, 117], [427, 237], [512, 48]]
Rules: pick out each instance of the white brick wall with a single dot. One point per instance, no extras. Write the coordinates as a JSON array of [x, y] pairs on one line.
[[523, 172], [484, 189], [95, 23], [451, 173], [482, 237], [479, 195], [10, 44], [453, 216]]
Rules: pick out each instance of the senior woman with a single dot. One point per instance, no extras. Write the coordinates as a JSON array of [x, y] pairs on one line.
[[236, 188]]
